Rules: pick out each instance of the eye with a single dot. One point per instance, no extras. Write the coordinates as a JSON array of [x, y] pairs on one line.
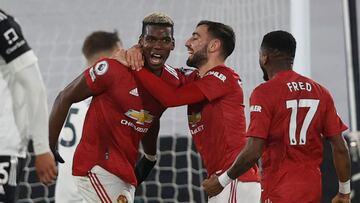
[[193, 38], [150, 39], [166, 40]]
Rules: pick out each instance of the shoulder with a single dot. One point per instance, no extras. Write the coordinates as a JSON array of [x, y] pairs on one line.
[[172, 71], [3, 16], [106, 64], [265, 90], [224, 73], [319, 88]]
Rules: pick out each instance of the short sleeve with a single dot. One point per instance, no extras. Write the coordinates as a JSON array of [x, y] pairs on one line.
[[260, 115], [216, 83], [333, 125], [100, 76]]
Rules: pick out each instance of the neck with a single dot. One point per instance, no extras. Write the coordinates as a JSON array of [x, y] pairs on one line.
[[155, 70], [210, 64], [272, 71]]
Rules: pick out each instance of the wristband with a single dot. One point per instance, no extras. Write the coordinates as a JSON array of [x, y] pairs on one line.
[[344, 187], [150, 157], [224, 179]]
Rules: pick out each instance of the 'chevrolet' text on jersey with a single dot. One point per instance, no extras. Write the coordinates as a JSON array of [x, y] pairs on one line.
[[218, 124], [292, 113], [120, 113]]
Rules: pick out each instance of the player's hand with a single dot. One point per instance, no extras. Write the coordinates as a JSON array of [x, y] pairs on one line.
[[120, 55], [46, 169], [212, 186], [341, 198], [134, 57]]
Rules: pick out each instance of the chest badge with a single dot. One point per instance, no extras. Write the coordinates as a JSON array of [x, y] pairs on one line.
[[194, 118], [134, 92], [141, 116]]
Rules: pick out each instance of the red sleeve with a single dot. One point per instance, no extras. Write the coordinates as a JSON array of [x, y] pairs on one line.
[[260, 116], [169, 96], [216, 83], [333, 124], [99, 77]]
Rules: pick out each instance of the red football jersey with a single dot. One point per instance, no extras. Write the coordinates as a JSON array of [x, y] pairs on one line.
[[120, 113], [292, 113], [218, 124]]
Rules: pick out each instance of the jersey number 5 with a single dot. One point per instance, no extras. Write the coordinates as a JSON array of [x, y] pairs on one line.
[[68, 124], [294, 105]]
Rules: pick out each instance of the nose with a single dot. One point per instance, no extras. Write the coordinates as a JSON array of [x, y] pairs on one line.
[[187, 44], [158, 44]]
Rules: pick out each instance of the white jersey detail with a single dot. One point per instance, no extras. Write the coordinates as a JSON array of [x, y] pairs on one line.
[[66, 190], [134, 92], [172, 71]]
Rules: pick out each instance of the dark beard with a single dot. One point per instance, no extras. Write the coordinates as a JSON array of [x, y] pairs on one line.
[[198, 59], [265, 75]]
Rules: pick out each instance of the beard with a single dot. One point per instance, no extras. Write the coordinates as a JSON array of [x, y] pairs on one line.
[[265, 75], [198, 58]]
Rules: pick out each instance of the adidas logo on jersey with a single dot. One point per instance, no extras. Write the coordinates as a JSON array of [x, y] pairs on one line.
[[134, 92]]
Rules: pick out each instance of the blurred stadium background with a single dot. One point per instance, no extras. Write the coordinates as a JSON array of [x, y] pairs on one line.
[[56, 30]]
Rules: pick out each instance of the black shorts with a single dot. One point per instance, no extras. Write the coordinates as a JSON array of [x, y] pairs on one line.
[[9, 178]]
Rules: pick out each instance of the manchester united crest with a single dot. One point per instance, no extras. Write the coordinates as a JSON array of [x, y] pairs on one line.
[[122, 199]]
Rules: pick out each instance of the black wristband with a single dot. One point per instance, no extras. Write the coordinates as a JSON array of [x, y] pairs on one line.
[[57, 156], [143, 168]]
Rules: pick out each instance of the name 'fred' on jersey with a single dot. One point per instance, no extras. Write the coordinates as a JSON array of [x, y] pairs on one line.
[[292, 113]]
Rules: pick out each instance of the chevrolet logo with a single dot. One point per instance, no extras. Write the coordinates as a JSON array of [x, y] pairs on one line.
[[194, 118], [141, 117]]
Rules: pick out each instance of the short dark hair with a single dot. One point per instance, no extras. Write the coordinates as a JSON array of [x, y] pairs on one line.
[[99, 41], [222, 32], [281, 41], [160, 19]]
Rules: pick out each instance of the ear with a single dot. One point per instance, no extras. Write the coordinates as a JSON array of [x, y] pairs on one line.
[[264, 57], [173, 44], [214, 45]]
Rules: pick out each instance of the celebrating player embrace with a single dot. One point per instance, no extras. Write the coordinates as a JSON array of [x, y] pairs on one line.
[[121, 113]]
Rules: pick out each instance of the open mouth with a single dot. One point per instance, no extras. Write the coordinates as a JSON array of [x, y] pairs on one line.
[[190, 52], [156, 58]]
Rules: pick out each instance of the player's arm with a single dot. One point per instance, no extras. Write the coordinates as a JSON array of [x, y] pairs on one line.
[[341, 157], [170, 96], [29, 82], [245, 160], [148, 161], [76, 91]]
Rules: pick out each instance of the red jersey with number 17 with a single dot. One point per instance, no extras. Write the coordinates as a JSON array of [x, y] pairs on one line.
[[218, 124], [292, 113], [120, 113]]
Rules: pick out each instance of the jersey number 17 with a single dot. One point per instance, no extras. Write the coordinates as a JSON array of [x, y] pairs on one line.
[[312, 104]]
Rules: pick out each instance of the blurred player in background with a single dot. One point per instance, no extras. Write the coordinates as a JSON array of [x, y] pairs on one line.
[[23, 110], [216, 111], [121, 114], [97, 45], [290, 114]]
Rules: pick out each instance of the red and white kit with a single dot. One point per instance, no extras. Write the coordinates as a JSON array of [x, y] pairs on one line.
[[287, 112], [120, 113]]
